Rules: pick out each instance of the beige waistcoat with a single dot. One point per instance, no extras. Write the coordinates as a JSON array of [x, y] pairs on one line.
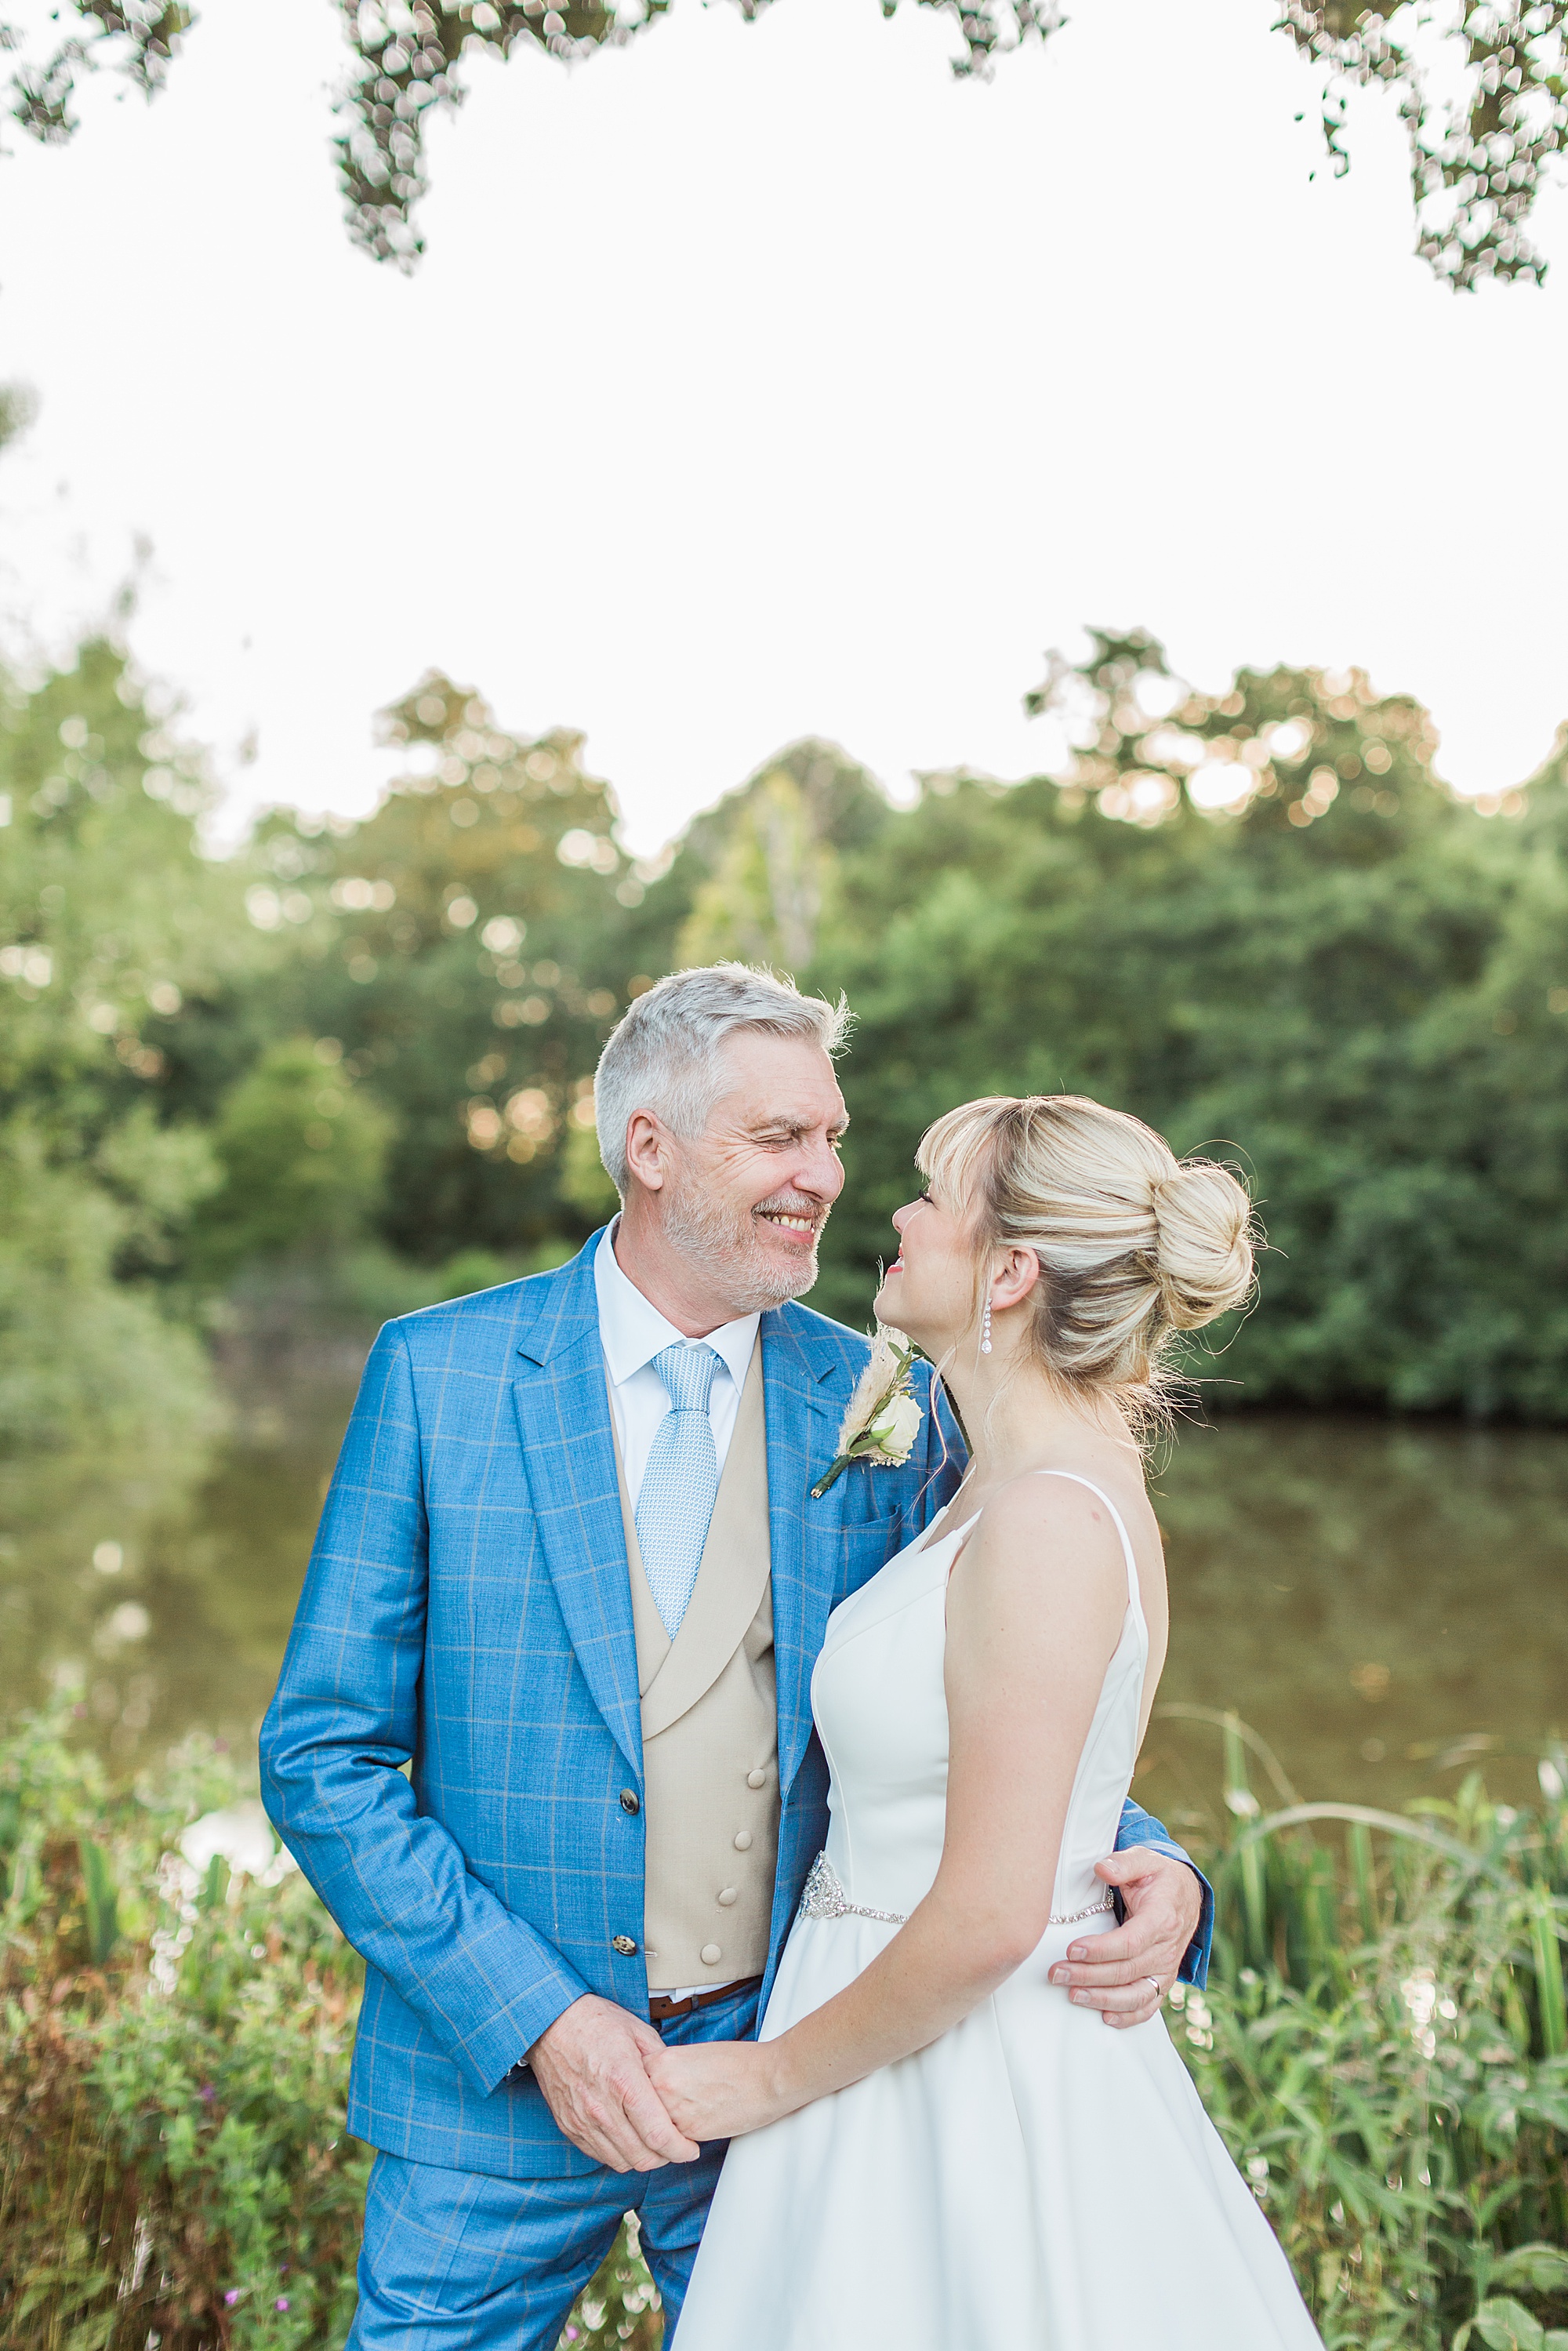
[[710, 1733]]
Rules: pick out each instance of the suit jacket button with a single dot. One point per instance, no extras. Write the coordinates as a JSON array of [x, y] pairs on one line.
[[629, 1801], [624, 1944], [728, 1897], [742, 1841], [757, 1779]]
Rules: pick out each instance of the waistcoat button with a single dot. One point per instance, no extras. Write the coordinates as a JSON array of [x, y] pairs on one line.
[[728, 1897], [743, 1842], [629, 1801], [624, 1944], [710, 1955], [757, 1779]]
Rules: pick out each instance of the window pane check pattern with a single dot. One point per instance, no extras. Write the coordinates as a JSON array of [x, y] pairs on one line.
[[680, 1483]]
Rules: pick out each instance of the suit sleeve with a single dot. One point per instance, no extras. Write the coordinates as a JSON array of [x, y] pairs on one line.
[[345, 1719], [1139, 1828]]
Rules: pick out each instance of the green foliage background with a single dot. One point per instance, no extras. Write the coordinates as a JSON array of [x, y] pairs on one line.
[[352, 1066]]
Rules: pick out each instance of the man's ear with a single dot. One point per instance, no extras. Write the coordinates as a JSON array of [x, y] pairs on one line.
[[647, 1155]]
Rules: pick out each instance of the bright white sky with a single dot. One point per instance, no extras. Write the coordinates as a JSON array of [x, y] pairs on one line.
[[760, 381]]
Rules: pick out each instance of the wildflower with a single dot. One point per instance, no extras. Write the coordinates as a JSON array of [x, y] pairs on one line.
[[282, 2303], [1199, 2021], [1419, 1993], [232, 2296]]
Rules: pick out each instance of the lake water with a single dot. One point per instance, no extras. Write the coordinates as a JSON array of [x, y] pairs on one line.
[[1386, 1604]]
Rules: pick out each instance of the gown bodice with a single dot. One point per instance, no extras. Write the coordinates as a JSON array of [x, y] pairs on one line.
[[881, 1709]]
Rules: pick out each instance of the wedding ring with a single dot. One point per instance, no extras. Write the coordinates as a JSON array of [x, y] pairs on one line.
[[1159, 1988]]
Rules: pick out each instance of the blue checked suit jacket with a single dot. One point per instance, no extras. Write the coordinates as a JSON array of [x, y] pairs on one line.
[[468, 1614]]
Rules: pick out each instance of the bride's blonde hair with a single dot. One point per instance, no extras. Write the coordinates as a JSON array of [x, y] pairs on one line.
[[1133, 1243]]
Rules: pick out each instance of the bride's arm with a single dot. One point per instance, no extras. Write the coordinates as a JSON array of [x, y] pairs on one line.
[[1034, 1613]]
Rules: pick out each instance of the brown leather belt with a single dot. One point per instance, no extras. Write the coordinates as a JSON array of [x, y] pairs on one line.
[[661, 2008]]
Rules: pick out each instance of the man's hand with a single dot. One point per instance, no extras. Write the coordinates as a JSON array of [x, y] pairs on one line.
[[592, 2065], [1127, 1973]]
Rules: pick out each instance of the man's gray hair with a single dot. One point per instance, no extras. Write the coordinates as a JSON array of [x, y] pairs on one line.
[[663, 1054]]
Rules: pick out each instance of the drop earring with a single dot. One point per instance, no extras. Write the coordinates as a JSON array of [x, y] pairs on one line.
[[986, 1330]]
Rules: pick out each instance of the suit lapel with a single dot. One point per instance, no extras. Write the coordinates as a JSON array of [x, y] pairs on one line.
[[569, 1455], [806, 1386]]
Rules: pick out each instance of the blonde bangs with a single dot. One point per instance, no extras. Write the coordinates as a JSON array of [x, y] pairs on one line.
[[954, 1152]]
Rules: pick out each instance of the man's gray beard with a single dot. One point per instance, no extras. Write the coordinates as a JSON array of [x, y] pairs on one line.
[[725, 1245]]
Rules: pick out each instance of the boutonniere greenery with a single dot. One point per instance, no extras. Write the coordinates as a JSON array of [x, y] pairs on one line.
[[884, 1418]]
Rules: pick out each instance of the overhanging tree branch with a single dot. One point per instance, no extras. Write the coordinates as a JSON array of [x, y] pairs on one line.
[[1481, 85], [137, 40]]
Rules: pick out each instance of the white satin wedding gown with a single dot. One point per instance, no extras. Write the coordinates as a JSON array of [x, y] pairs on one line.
[[1033, 2178]]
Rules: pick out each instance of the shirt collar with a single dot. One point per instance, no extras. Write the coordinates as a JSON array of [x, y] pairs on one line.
[[631, 1330]]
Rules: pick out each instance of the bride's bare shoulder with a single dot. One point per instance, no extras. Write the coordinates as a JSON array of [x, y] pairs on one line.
[[1039, 1521]]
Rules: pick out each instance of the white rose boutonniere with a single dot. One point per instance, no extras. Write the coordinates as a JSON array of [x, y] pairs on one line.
[[884, 1418]]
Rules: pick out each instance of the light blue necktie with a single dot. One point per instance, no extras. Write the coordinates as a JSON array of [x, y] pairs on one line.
[[680, 1483]]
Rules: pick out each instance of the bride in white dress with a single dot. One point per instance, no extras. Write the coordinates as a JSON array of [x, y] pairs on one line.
[[933, 2147]]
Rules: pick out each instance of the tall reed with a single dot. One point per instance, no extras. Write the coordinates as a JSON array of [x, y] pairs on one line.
[[1383, 2046]]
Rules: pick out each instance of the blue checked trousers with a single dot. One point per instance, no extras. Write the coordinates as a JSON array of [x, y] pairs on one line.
[[458, 2261]]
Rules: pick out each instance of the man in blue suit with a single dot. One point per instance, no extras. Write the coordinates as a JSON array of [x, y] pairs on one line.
[[542, 1740]]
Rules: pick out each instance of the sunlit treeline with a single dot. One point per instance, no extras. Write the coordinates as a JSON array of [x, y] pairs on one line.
[[353, 1063]]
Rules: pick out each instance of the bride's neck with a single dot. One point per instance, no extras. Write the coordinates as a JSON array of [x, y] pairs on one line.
[[1012, 1414]]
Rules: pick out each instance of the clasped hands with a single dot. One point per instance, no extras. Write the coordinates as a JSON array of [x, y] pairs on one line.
[[632, 2103]]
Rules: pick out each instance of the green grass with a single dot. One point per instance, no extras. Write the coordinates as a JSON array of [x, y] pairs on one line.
[[1383, 2046]]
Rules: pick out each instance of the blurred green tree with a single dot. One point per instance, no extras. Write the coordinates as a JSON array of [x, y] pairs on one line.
[[302, 1153], [1255, 919], [86, 1360], [111, 926], [468, 947], [761, 869]]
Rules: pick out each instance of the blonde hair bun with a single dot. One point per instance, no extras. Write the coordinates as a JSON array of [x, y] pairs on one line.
[[1203, 1220]]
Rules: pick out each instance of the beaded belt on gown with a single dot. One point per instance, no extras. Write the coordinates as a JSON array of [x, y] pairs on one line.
[[824, 1897]]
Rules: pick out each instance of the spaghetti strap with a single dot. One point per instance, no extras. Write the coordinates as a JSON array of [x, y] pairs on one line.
[[1135, 1596]]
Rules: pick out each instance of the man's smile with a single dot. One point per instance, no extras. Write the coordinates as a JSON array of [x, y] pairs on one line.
[[788, 1220]]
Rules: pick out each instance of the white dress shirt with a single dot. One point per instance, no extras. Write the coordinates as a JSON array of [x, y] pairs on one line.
[[631, 1331]]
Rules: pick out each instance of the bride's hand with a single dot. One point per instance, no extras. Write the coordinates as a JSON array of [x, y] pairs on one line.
[[716, 2089]]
